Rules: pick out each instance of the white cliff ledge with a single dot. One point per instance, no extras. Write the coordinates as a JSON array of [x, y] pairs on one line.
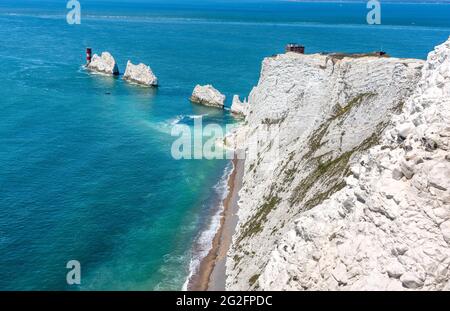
[[207, 95], [353, 191], [140, 74], [105, 64]]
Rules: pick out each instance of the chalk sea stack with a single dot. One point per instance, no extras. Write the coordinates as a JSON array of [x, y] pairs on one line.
[[207, 95], [105, 64], [140, 74], [239, 108]]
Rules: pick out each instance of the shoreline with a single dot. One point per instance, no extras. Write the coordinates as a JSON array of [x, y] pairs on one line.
[[211, 272]]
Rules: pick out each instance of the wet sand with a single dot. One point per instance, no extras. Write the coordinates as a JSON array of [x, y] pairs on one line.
[[211, 274]]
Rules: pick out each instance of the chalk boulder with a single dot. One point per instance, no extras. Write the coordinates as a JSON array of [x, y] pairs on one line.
[[207, 95], [140, 74], [104, 64]]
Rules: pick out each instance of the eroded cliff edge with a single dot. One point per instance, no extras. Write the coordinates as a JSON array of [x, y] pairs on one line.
[[341, 196]]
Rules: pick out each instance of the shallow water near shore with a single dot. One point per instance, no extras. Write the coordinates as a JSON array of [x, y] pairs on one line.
[[86, 168]]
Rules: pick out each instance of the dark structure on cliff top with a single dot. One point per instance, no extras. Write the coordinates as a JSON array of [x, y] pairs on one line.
[[296, 48], [300, 49]]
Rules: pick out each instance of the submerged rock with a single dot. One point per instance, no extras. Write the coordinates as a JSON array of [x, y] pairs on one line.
[[140, 74], [104, 64], [207, 95], [239, 108]]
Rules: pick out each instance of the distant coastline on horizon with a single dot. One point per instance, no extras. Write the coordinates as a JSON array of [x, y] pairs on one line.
[[399, 2]]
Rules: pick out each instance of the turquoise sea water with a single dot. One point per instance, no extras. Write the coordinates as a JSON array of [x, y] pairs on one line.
[[85, 166]]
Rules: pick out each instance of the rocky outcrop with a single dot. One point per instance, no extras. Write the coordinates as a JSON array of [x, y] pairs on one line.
[[239, 108], [311, 120], [207, 95], [140, 74], [105, 64]]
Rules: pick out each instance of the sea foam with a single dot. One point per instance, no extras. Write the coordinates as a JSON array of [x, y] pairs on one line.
[[203, 244]]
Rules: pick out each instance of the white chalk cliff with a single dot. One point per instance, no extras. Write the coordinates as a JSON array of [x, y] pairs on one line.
[[352, 192], [105, 64], [140, 74], [207, 95]]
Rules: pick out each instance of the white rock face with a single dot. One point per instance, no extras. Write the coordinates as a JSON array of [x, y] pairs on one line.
[[207, 95], [239, 108], [376, 218], [105, 64], [140, 74]]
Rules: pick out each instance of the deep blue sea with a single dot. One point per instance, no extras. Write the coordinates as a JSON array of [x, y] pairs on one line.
[[86, 171]]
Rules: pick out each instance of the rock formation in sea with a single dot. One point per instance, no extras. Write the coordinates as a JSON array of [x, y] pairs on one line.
[[238, 108], [140, 74], [105, 64], [353, 189], [207, 95]]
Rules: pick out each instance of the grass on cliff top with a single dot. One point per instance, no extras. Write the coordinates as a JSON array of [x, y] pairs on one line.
[[354, 55]]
